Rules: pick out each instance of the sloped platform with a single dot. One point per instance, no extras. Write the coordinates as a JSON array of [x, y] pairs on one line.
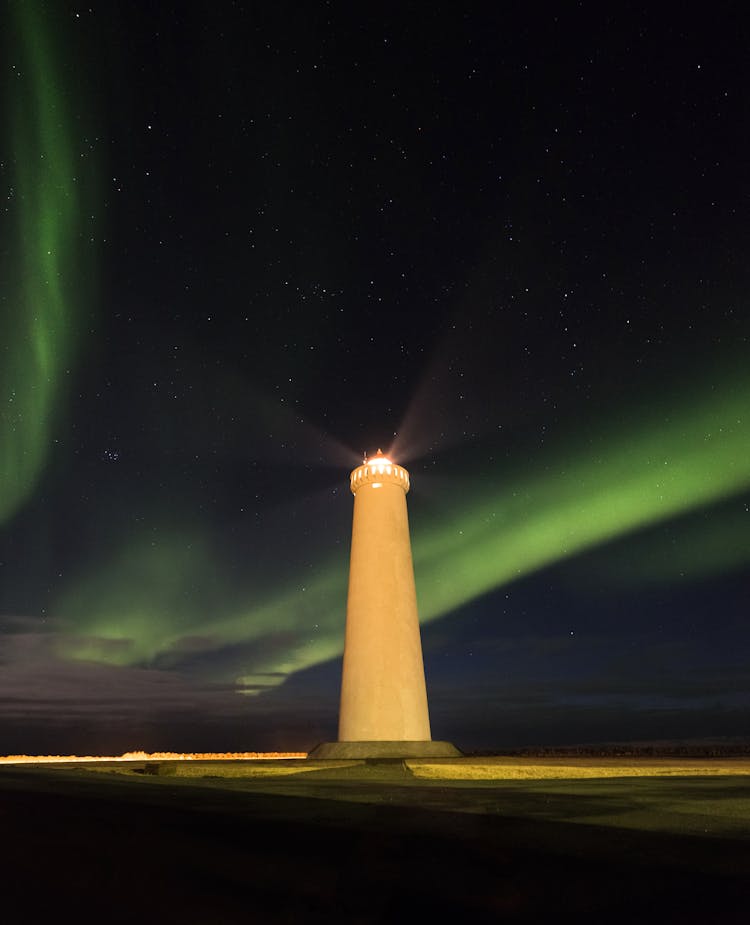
[[385, 749]]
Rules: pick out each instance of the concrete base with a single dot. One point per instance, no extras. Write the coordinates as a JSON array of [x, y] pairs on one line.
[[384, 749]]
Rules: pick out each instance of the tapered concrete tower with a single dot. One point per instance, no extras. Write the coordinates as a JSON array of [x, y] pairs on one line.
[[383, 694]]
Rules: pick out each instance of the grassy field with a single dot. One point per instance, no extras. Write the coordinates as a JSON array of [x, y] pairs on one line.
[[707, 797], [491, 840]]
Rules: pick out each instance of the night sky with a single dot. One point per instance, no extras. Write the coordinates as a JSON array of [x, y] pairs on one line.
[[244, 243]]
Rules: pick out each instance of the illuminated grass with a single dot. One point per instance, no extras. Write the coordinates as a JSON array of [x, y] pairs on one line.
[[244, 770], [509, 769], [280, 764]]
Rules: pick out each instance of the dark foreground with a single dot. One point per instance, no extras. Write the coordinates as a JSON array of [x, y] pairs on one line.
[[378, 846]]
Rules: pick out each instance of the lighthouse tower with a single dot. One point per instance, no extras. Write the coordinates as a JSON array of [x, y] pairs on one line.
[[383, 694]]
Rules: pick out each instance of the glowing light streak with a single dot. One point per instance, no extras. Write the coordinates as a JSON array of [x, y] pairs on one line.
[[48, 261], [652, 471]]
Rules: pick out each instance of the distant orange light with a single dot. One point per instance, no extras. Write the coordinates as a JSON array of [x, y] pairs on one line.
[[152, 756]]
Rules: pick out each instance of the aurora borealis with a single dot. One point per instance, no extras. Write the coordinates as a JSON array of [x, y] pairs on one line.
[[47, 253], [243, 246]]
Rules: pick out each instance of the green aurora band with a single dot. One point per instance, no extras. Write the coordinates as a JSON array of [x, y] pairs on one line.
[[692, 455], [40, 318]]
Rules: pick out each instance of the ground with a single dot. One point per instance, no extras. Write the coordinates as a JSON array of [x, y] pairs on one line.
[[389, 841]]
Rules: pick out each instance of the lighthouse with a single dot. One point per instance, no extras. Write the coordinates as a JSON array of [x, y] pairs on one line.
[[383, 710]]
